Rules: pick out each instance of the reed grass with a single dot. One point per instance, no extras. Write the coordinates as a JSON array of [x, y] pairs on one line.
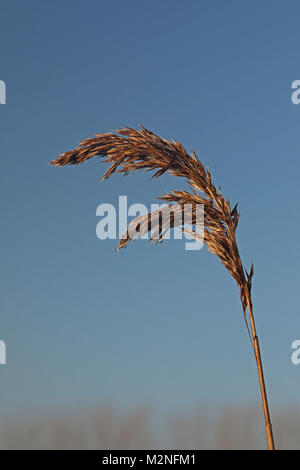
[[128, 150]]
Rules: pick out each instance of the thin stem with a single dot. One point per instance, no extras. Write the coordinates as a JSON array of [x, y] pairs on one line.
[[269, 431]]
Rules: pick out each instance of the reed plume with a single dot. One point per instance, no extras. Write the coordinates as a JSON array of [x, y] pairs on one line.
[[128, 150]]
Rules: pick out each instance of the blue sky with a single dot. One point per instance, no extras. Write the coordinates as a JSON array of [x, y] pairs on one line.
[[161, 325]]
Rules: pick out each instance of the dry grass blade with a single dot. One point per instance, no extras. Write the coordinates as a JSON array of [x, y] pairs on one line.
[[128, 150]]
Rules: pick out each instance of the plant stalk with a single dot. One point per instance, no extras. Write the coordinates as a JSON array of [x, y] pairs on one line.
[[263, 392]]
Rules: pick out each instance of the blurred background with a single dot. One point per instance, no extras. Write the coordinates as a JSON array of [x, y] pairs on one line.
[[146, 348]]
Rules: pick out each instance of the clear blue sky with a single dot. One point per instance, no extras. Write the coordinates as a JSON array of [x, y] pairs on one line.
[[150, 324]]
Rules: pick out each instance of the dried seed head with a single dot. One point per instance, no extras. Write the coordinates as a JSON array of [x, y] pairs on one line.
[[128, 150]]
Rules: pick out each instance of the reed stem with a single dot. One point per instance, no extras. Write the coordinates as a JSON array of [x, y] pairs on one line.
[[263, 391]]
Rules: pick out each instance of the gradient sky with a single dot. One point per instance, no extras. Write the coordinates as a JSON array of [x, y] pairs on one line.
[[85, 325]]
